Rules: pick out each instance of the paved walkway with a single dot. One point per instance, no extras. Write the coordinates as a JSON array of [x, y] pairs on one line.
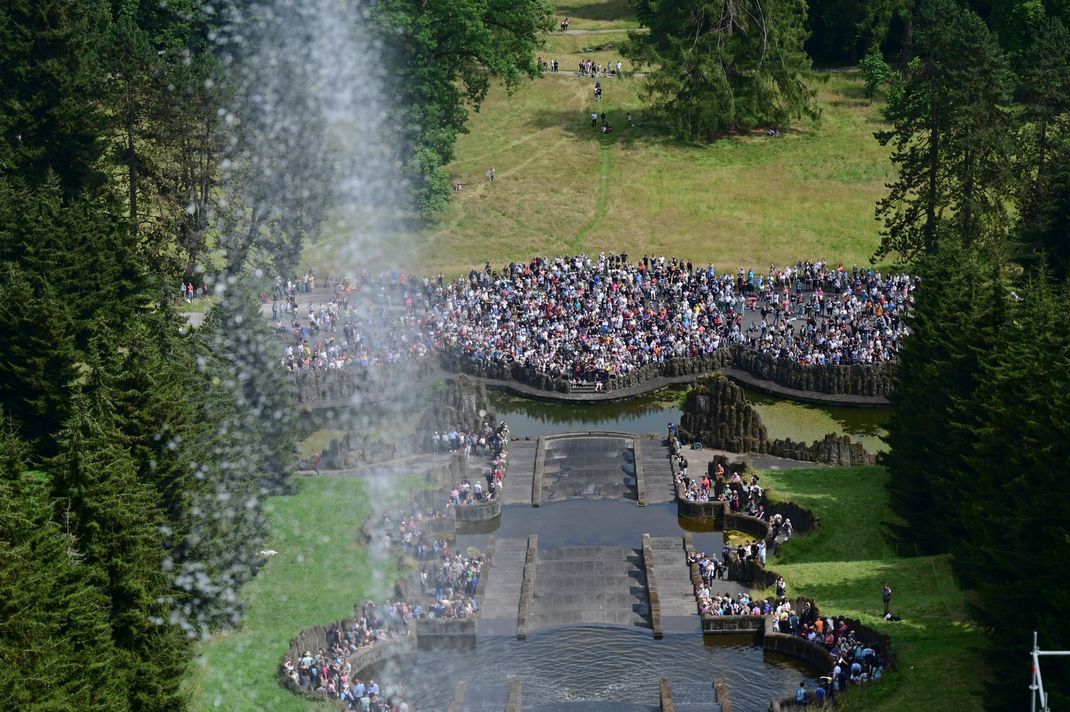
[[520, 472], [501, 597], [673, 576]]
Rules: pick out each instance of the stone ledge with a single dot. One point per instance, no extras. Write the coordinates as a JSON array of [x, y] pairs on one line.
[[652, 588], [536, 479], [515, 701], [665, 693], [527, 587], [640, 473]]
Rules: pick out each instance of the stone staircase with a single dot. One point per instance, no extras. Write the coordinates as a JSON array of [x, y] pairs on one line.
[[520, 472], [657, 472], [501, 594], [695, 697], [673, 577]]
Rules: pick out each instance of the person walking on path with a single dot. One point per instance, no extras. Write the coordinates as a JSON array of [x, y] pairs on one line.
[[886, 596], [316, 460], [492, 174]]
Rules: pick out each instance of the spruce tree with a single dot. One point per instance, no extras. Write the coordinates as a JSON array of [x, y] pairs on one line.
[[715, 66], [56, 651], [115, 522], [950, 134], [1017, 507], [38, 361]]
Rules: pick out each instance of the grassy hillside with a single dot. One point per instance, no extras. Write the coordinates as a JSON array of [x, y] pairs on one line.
[[845, 563], [320, 571], [562, 187]]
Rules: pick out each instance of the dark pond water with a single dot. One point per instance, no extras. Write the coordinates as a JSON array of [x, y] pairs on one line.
[[653, 412], [569, 668]]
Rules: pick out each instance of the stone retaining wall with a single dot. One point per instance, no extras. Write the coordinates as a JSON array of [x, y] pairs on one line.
[[433, 628], [314, 638], [871, 380], [478, 511]]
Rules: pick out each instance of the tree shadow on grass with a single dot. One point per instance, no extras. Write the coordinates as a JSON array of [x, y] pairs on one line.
[[605, 11]]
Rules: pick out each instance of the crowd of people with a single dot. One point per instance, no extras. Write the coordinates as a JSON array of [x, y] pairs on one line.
[[592, 318], [489, 442], [327, 673], [856, 662]]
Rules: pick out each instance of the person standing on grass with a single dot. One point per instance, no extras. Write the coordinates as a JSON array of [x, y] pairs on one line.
[[492, 174], [886, 596]]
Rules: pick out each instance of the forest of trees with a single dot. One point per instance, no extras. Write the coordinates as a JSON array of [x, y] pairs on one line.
[[135, 452], [980, 430]]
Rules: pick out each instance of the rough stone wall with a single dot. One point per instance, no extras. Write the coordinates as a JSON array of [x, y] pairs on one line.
[[717, 413], [458, 405], [832, 449]]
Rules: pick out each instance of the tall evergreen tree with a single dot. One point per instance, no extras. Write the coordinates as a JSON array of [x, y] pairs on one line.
[[950, 136], [1016, 506], [716, 65], [38, 360], [1043, 149], [51, 119], [955, 315], [115, 522], [56, 651]]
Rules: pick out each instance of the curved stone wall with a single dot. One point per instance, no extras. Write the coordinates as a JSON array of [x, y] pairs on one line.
[[337, 386], [312, 639], [478, 511]]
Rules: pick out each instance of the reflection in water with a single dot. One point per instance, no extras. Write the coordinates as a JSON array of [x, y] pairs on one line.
[[645, 414], [652, 413], [608, 665], [805, 422]]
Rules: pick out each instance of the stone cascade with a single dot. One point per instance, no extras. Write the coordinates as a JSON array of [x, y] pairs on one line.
[[657, 472], [501, 595], [518, 481], [675, 590], [592, 585]]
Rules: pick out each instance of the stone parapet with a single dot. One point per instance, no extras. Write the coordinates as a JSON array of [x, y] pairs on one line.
[[652, 588], [478, 511], [527, 587]]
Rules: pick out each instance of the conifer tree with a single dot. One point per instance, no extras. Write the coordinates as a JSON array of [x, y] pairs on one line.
[[56, 651], [115, 523], [1017, 506], [954, 317], [716, 65], [950, 136]]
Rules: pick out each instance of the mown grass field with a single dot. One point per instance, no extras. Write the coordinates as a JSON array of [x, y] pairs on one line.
[[320, 571], [562, 187], [843, 566]]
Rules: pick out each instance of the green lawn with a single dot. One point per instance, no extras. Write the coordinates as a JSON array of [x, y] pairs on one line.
[[319, 573], [843, 566], [595, 14], [563, 188]]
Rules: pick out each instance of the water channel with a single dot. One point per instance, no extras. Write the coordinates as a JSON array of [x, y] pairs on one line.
[[589, 668]]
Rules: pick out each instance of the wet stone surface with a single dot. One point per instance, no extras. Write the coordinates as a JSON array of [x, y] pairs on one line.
[[589, 467]]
